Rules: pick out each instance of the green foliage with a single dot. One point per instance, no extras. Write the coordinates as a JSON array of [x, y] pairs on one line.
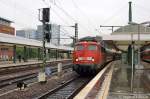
[[33, 52], [19, 51], [30, 52]]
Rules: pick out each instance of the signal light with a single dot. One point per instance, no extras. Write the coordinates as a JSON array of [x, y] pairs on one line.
[[47, 36], [47, 32], [47, 28], [45, 14]]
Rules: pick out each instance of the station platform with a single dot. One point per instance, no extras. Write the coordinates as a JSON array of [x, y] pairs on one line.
[[9, 63], [125, 86], [118, 82]]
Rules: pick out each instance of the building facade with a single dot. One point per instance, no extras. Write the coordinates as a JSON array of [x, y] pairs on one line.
[[6, 51], [27, 33], [55, 33]]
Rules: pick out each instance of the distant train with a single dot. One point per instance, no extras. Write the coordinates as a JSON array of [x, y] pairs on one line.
[[145, 53], [90, 55]]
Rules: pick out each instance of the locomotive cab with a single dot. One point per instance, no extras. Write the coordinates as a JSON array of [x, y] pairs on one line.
[[85, 52], [87, 57], [90, 55]]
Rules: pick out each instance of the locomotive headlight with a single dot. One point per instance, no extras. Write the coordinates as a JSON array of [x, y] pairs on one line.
[[77, 59], [93, 59]]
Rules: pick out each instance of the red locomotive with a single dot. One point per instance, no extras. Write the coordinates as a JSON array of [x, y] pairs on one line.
[[89, 56]]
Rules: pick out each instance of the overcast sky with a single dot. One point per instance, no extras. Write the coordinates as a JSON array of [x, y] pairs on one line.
[[90, 14]]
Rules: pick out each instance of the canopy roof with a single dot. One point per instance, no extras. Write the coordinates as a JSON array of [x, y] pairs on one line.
[[124, 35], [132, 29], [14, 40]]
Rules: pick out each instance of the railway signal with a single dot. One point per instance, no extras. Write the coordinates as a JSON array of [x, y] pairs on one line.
[[47, 32], [44, 15]]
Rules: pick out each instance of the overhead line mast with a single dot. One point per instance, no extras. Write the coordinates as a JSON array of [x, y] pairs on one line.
[[112, 26]]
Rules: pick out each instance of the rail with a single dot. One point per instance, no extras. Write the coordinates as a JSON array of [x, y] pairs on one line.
[[9, 81], [29, 63]]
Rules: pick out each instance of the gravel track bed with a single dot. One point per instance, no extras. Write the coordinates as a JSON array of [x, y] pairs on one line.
[[37, 89], [14, 86], [11, 77]]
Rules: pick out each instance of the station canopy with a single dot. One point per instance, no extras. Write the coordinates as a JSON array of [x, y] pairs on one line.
[[124, 36], [15, 40]]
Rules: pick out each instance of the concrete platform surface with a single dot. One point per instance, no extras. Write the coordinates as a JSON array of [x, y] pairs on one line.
[[125, 86]]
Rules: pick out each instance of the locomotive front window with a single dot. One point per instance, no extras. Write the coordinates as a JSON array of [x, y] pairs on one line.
[[79, 47], [92, 47]]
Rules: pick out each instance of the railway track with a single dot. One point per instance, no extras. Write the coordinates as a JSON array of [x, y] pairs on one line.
[[10, 83], [13, 68], [66, 90]]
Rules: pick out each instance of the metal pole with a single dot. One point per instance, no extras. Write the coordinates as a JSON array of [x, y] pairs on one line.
[[42, 76], [56, 54], [25, 54], [38, 54], [76, 32], [44, 20], [130, 12], [139, 46], [49, 51], [112, 29], [14, 53], [132, 63], [44, 48]]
